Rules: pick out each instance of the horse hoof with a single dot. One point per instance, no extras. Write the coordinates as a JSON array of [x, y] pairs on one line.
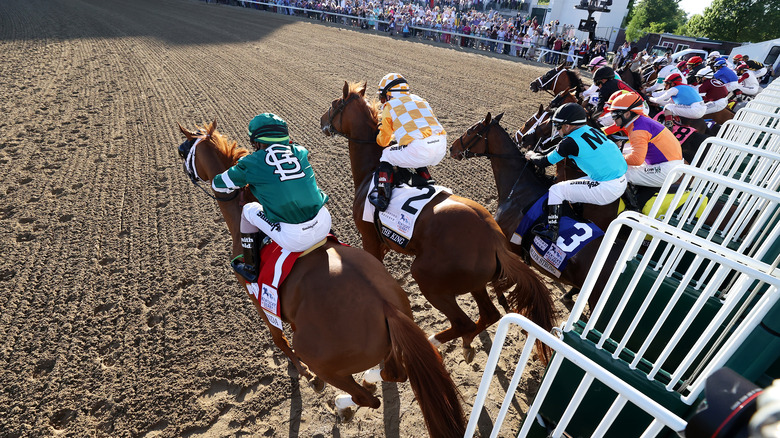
[[346, 414], [469, 353], [317, 384], [368, 386]]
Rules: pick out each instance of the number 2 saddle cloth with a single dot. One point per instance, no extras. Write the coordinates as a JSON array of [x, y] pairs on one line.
[[397, 222], [573, 235]]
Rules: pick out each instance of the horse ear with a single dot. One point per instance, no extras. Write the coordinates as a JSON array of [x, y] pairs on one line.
[[541, 108], [346, 89], [213, 127], [186, 133], [498, 118], [488, 118], [362, 89]]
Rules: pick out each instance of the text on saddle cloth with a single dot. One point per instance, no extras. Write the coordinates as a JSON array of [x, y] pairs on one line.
[[275, 265], [572, 237], [397, 222], [681, 132]]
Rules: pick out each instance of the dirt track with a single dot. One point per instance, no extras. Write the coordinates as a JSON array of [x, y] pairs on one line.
[[120, 316]]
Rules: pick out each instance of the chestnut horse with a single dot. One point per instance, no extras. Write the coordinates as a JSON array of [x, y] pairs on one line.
[[520, 185], [458, 247], [346, 311], [556, 80]]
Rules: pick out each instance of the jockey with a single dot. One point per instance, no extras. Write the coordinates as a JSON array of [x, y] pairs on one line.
[[591, 95], [608, 82], [759, 68], [291, 208], [679, 99], [748, 82], [409, 120], [597, 156], [661, 65], [713, 92], [694, 65], [654, 149], [725, 74]]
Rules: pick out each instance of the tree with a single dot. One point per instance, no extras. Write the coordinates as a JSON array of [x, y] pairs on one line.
[[737, 20], [655, 16]]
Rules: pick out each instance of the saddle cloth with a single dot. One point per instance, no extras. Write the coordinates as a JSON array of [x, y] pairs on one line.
[[681, 132], [397, 222], [275, 265], [572, 237]]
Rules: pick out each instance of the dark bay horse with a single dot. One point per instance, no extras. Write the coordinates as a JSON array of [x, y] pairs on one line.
[[558, 79], [519, 185], [336, 339], [458, 247]]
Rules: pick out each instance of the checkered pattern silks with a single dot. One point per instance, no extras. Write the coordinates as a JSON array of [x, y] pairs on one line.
[[412, 118]]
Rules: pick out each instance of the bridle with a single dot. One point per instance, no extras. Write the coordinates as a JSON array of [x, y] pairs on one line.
[[543, 85], [187, 152], [481, 135], [332, 113]]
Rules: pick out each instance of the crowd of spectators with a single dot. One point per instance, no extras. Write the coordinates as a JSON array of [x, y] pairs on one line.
[[467, 23]]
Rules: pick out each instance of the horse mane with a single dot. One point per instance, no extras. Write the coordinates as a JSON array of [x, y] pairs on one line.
[[371, 103], [230, 150], [575, 79]]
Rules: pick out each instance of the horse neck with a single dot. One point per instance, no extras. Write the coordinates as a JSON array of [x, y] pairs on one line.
[[509, 165], [211, 163], [513, 175], [364, 152]]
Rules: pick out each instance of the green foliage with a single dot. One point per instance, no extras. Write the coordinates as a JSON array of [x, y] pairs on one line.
[[656, 16], [737, 20]]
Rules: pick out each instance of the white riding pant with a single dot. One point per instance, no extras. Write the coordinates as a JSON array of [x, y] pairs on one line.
[[292, 237], [716, 105], [694, 111], [750, 90], [650, 175], [419, 153], [588, 191]]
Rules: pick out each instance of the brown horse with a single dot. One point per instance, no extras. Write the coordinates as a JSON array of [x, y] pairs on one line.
[[558, 79], [519, 186], [336, 339], [458, 247]]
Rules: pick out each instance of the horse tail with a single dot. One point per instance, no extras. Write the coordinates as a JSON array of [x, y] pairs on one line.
[[530, 296], [436, 393]]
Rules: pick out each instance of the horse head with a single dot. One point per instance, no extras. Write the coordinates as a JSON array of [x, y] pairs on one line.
[[355, 118], [474, 142], [545, 81], [341, 119], [206, 153]]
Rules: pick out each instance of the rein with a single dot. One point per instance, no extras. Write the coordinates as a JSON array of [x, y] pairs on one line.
[[332, 115], [187, 151]]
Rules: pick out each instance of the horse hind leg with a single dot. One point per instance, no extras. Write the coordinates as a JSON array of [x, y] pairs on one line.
[[356, 396], [488, 315]]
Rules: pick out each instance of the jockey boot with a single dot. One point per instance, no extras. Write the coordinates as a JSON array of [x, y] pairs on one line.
[[383, 186], [632, 203], [551, 233], [251, 244], [423, 177]]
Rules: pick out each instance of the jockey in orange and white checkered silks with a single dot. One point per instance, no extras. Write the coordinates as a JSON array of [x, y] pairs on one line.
[[420, 140]]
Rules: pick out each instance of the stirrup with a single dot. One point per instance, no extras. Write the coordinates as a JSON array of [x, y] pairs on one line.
[[378, 200], [245, 270], [545, 233]]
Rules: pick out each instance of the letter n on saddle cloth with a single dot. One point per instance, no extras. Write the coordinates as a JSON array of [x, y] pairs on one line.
[[396, 224], [275, 265], [572, 237]]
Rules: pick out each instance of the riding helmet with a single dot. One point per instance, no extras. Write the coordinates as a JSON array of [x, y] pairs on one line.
[[719, 63], [604, 73], [597, 62], [695, 60], [674, 79], [392, 82], [661, 60], [570, 114], [268, 128]]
